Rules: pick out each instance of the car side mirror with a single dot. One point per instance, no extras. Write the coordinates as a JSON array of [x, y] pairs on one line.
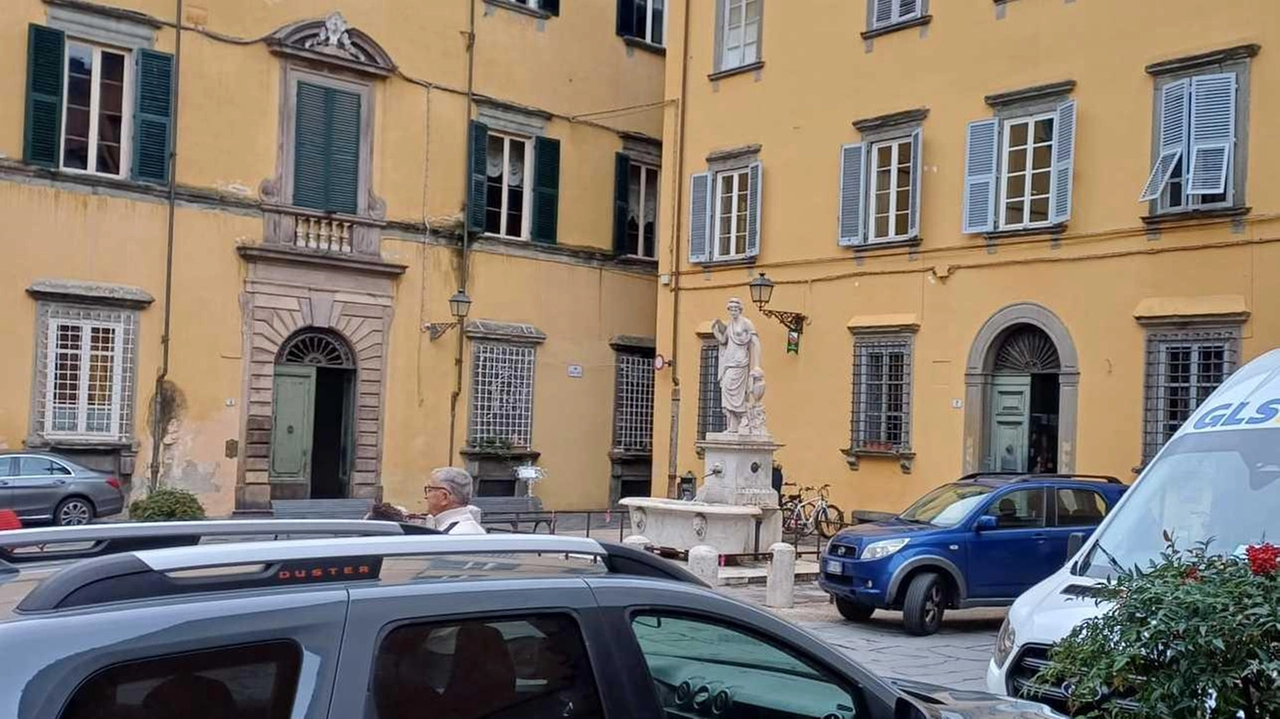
[[1074, 542], [986, 523]]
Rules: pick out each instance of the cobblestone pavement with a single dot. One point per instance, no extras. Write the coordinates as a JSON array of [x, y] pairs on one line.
[[955, 657]]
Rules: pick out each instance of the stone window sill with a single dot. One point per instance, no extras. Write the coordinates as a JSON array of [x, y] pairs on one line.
[[906, 458], [740, 70], [516, 454], [734, 262], [629, 455], [1038, 231], [888, 29], [1219, 213], [517, 7], [884, 245], [644, 45], [105, 445]]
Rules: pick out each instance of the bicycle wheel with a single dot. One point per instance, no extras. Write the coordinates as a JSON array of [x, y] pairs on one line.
[[831, 521], [805, 520], [788, 518]]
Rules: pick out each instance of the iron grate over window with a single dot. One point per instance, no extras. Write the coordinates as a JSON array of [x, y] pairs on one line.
[[501, 395], [633, 403], [710, 415], [881, 418], [85, 371], [1183, 369]]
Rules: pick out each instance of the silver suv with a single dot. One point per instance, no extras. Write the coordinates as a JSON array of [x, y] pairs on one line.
[[377, 625]]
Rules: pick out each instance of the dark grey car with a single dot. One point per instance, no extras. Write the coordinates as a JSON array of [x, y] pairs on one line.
[[48, 488]]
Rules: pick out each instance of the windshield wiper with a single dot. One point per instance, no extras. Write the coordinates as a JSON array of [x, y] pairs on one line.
[[1111, 558]]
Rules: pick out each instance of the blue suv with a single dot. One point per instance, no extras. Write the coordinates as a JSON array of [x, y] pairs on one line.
[[978, 542]]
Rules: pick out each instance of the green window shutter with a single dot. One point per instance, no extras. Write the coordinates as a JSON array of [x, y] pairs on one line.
[[478, 161], [546, 189], [621, 201], [310, 146], [46, 49], [344, 152], [153, 118]]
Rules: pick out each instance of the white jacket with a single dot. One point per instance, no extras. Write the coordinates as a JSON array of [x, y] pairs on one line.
[[464, 520]]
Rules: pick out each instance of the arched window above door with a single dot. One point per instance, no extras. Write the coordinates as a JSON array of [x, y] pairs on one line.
[[316, 348], [1027, 349]]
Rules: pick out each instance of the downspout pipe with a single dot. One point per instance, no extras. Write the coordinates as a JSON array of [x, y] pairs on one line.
[[673, 459], [466, 225], [157, 418]]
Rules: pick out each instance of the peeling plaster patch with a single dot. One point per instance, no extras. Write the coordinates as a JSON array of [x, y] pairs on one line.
[[197, 478], [234, 188]]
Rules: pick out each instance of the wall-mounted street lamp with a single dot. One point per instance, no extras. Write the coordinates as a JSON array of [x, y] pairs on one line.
[[459, 306], [761, 292]]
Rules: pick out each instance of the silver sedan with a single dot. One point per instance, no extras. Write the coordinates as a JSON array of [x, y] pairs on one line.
[[42, 487]]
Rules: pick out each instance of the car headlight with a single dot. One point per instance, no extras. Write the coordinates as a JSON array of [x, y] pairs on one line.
[[882, 549], [1005, 641]]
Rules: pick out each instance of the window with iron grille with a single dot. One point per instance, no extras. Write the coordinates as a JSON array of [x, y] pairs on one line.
[[882, 393], [1183, 369], [633, 403], [710, 415], [85, 372], [501, 395]]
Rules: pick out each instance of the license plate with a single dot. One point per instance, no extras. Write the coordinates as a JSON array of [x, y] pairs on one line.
[[834, 567]]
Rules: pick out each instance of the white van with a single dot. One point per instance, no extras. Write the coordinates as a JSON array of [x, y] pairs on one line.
[[1218, 477]]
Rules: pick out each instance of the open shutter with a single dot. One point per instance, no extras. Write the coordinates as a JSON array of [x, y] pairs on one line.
[[1213, 132], [908, 9], [153, 118], [311, 147], [917, 146], [344, 151], [551, 7], [478, 160], [546, 189], [699, 216], [1064, 160], [627, 18], [755, 176], [980, 176], [852, 172], [1173, 137], [621, 201], [883, 13], [46, 49]]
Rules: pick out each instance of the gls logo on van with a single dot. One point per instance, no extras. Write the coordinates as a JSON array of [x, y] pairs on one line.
[[1235, 415]]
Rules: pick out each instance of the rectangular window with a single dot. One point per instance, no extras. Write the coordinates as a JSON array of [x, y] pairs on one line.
[[1197, 131], [1027, 171], [710, 415], [642, 210], [740, 34], [1183, 369], [1080, 508], [649, 18], [1022, 509], [887, 13], [509, 173], [87, 365], [95, 117], [881, 393], [633, 403], [732, 193], [891, 184], [501, 395], [327, 153]]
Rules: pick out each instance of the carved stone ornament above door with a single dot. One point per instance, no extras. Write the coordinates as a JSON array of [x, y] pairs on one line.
[[332, 41]]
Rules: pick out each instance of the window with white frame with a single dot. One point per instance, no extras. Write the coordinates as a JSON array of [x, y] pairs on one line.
[[740, 33], [733, 190], [633, 403], [509, 172], [642, 210], [86, 369], [887, 13], [1196, 142], [1027, 171], [891, 186], [95, 120], [881, 418], [647, 20], [1183, 368], [501, 394]]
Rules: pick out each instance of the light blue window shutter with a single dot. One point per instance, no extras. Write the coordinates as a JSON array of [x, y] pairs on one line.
[[980, 176], [852, 164], [908, 9], [1064, 161], [755, 175], [883, 12], [917, 147], [699, 216], [1173, 137], [1213, 132]]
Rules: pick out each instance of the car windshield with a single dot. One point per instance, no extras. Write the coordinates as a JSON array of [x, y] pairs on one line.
[[946, 506], [1216, 486]]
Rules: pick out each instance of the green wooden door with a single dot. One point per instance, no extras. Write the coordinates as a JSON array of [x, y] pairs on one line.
[[292, 414], [1010, 421]]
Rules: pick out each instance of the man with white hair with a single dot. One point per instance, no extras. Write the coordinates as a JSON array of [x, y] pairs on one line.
[[448, 492]]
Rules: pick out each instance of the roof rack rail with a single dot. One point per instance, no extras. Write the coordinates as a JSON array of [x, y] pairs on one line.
[[190, 570], [1029, 477]]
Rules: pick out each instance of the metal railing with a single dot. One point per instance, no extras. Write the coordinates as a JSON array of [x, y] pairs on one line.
[[595, 523]]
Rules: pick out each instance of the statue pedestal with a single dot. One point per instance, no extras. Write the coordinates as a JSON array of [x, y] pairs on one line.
[[739, 469]]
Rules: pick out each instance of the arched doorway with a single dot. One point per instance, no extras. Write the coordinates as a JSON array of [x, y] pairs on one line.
[[312, 437]]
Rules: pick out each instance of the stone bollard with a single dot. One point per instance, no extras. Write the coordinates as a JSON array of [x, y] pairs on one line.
[[780, 591], [704, 562], [636, 541]]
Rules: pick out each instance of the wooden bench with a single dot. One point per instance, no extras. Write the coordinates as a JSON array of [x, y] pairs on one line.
[[320, 508], [514, 511]]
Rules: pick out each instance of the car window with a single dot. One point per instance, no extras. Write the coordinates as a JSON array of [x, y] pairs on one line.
[[1080, 508], [507, 668], [948, 505], [1020, 509], [700, 667], [252, 680], [40, 467], [6, 466]]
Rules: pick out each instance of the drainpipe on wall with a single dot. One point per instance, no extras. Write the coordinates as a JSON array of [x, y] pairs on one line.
[[466, 222], [158, 421], [673, 459]]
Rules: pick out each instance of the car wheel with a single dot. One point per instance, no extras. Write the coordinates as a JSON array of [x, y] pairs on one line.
[[73, 512], [853, 611], [831, 521], [925, 603]]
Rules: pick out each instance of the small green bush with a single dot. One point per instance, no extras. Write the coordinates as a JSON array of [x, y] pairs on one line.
[[166, 504]]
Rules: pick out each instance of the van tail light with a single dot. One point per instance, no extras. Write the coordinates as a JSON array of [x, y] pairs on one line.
[[113, 483]]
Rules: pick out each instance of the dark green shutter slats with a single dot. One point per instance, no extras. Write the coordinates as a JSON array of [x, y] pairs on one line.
[[621, 200], [326, 150], [153, 120], [551, 7], [627, 18], [45, 52], [477, 160], [546, 189]]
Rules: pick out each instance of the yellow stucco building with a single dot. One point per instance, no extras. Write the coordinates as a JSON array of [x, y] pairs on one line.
[[342, 170], [1024, 236]]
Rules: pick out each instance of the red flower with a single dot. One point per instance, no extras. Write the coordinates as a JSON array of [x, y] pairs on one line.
[[1263, 558], [1193, 574]]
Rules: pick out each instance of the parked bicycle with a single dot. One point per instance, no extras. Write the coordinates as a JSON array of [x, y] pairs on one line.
[[801, 517]]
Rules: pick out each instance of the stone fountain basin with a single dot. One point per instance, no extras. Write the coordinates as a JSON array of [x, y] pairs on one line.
[[681, 525]]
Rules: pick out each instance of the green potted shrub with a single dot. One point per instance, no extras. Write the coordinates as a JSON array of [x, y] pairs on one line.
[[166, 504]]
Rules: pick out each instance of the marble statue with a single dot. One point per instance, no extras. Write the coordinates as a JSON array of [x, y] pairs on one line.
[[740, 375]]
